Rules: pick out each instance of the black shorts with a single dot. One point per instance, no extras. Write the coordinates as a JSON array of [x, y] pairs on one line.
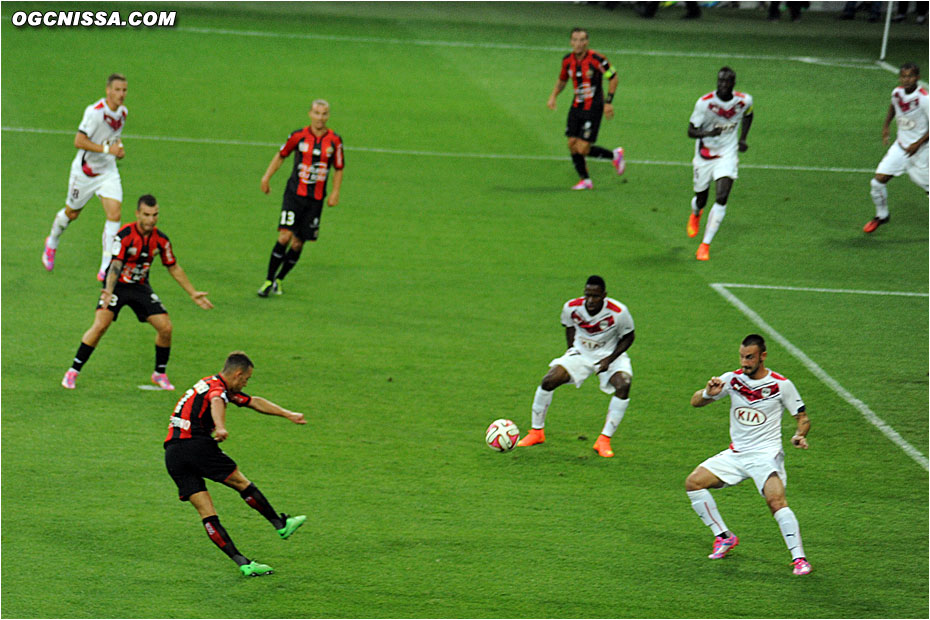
[[584, 124], [189, 461], [301, 215], [140, 297]]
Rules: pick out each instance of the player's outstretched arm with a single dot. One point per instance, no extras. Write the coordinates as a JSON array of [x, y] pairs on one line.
[[703, 397], [800, 435], [263, 405], [276, 162], [199, 297]]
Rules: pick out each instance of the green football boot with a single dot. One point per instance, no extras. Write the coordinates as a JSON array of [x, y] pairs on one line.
[[290, 525], [255, 569]]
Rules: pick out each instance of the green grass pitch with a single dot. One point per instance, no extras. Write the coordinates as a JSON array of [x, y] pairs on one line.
[[429, 307]]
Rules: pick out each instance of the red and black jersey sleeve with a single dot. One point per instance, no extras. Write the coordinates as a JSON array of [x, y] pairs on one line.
[[164, 248], [292, 140], [239, 399], [193, 416], [564, 73], [124, 238]]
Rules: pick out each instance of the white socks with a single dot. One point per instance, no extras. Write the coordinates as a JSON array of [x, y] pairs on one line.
[[717, 213], [879, 193], [109, 234], [59, 224], [541, 401], [706, 508], [615, 411], [790, 531], [694, 208]]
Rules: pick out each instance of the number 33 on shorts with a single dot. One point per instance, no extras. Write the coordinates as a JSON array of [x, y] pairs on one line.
[[287, 218]]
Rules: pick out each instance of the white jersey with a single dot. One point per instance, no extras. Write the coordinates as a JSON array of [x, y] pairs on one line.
[[100, 124], [910, 112], [756, 407], [711, 112], [597, 335]]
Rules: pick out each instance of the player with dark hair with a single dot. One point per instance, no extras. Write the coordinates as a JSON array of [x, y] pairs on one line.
[[713, 125], [192, 453], [587, 69], [598, 331], [758, 398], [318, 149], [93, 171], [909, 151], [127, 284]]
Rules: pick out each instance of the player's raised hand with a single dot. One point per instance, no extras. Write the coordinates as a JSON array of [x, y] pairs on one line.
[[200, 298], [714, 386]]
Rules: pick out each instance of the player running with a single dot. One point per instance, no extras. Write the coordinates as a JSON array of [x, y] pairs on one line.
[[758, 397], [127, 284], [192, 453], [598, 330], [318, 149], [909, 152], [713, 124], [587, 70], [93, 171]]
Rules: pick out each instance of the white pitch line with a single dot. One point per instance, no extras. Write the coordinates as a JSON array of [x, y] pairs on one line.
[[822, 290], [504, 156], [819, 372], [852, 63]]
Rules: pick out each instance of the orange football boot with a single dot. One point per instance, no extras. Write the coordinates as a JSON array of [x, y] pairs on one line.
[[703, 252], [694, 223], [602, 445], [535, 436]]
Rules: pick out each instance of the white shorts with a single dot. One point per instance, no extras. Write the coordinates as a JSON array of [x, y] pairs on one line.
[[580, 366], [81, 188], [896, 162], [707, 170], [733, 467]]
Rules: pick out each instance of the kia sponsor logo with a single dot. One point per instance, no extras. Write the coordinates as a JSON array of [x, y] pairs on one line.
[[748, 416]]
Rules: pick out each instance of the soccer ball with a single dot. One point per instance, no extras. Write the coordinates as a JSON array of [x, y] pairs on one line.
[[502, 435]]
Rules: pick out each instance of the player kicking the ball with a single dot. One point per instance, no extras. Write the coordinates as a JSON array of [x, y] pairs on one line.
[[598, 330], [758, 397]]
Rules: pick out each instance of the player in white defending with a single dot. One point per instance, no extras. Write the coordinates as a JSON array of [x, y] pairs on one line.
[[93, 171], [598, 330], [909, 152], [713, 124], [758, 397]]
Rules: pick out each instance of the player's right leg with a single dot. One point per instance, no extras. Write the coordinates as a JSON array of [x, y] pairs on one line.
[[289, 217], [697, 486], [220, 537], [556, 376], [878, 191], [103, 318], [112, 207]]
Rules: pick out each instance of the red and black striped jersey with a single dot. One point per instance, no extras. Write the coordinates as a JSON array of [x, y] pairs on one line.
[[587, 76], [137, 251], [315, 156], [192, 416]]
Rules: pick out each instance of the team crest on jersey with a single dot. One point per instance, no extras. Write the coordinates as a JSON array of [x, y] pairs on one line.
[[115, 123], [303, 147], [329, 152], [132, 251], [766, 392], [720, 111], [747, 416]]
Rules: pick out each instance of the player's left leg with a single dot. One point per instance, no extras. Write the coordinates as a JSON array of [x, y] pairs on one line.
[[163, 328], [284, 524], [616, 409], [112, 207], [290, 260], [579, 148], [774, 493], [103, 318]]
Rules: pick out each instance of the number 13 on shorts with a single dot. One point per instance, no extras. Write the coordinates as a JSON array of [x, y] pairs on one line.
[[287, 218]]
